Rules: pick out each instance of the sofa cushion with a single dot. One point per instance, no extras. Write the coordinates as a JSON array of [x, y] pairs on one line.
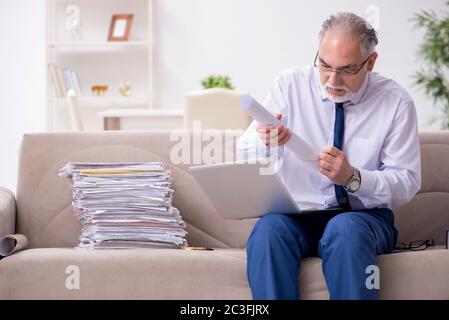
[[403, 275], [179, 274], [125, 274]]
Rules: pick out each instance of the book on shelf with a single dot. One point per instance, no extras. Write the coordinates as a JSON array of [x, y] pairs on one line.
[[55, 81], [64, 79]]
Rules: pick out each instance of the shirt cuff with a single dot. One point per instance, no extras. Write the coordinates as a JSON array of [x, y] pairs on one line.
[[368, 181]]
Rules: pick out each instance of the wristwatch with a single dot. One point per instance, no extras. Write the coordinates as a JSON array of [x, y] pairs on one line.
[[354, 182]]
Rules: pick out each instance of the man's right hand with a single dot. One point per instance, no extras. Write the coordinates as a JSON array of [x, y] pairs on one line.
[[274, 136]]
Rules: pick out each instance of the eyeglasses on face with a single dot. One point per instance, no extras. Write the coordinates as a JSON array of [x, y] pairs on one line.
[[414, 245], [346, 71]]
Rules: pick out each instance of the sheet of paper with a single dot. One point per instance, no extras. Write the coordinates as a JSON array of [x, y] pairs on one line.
[[296, 144]]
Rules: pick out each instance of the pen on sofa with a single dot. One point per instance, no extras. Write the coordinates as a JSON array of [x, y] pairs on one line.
[[196, 248]]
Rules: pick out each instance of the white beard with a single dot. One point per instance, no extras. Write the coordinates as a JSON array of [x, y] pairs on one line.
[[346, 97]]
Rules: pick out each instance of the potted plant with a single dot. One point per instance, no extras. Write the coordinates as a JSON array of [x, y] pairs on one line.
[[434, 51], [217, 81]]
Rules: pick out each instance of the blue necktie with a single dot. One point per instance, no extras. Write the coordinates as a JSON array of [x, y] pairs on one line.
[[339, 130]]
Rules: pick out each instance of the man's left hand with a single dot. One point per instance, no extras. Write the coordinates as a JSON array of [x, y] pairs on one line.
[[334, 165]]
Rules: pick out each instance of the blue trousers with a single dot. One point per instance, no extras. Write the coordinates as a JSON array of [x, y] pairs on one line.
[[347, 242]]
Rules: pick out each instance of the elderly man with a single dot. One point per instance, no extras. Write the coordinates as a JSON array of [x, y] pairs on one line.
[[366, 128]]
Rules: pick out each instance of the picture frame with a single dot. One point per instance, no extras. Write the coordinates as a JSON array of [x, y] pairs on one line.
[[120, 27]]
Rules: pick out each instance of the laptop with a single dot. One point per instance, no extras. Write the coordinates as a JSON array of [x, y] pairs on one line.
[[245, 189]]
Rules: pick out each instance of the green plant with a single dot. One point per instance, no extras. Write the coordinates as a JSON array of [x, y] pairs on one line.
[[217, 81], [434, 51]]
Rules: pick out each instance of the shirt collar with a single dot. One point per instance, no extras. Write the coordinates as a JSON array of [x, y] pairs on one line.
[[355, 99]]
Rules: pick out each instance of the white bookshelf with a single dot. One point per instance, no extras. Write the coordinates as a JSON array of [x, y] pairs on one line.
[[97, 61], [109, 102], [116, 44]]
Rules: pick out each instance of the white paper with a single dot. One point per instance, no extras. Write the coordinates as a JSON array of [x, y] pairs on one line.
[[295, 144]]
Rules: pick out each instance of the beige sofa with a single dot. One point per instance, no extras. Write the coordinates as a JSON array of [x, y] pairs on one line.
[[42, 211]]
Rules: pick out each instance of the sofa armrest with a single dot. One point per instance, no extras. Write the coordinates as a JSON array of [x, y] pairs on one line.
[[7, 212]]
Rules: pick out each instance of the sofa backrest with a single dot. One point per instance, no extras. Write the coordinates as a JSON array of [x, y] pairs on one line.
[[426, 216], [44, 199]]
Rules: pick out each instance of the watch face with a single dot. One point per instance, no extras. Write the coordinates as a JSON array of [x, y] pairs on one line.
[[354, 185]]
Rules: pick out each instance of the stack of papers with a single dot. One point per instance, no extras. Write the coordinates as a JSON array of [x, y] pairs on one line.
[[125, 205]]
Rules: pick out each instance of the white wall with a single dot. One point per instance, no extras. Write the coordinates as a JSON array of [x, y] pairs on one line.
[[252, 40], [22, 79], [249, 40]]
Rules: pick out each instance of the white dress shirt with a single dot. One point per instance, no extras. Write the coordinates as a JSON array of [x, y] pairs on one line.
[[380, 139]]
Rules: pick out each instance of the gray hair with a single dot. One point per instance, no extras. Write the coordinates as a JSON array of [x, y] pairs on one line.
[[356, 26]]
